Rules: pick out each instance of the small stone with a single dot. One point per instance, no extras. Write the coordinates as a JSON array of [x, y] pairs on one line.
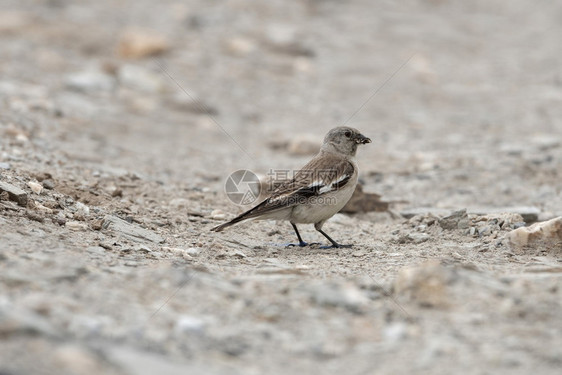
[[15, 193], [546, 235], [137, 43], [218, 215], [90, 81], [239, 254], [130, 231], [193, 251], [177, 251], [48, 184], [41, 208], [140, 78], [395, 332], [36, 187], [189, 324], [418, 237], [484, 231], [116, 192], [82, 209], [35, 216], [76, 226], [528, 213], [456, 220], [60, 218], [4, 165]]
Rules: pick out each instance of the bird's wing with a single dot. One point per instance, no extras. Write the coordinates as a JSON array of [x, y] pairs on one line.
[[324, 174]]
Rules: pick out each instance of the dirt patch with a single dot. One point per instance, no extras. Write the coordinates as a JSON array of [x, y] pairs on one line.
[[108, 264]]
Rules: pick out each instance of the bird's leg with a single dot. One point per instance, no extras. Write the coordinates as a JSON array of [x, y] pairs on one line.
[[301, 242], [334, 243]]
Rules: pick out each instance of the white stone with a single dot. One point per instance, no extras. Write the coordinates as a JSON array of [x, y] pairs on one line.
[[36, 187]]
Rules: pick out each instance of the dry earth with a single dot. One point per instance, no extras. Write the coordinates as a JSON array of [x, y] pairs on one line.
[[120, 121]]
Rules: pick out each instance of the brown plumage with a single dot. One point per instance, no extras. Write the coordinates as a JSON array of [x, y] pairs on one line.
[[318, 190]]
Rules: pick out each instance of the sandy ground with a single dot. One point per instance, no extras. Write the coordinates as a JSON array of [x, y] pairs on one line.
[[110, 267]]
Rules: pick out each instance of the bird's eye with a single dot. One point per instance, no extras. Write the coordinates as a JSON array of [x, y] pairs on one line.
[[347, 134]]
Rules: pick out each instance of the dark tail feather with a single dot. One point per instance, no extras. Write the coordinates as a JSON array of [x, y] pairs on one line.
[[237, 219], [246, 215]]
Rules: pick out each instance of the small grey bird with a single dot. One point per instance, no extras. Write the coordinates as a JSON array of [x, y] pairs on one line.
[[316, 192]]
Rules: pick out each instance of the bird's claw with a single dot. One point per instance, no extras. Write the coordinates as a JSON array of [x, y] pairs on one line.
[[336, 246], [302, 244]]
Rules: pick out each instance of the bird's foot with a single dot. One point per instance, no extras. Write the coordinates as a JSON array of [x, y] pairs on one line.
[[336, 246], [302, 244]]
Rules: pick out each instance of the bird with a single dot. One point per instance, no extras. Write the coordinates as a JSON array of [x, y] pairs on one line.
[[317, 191]]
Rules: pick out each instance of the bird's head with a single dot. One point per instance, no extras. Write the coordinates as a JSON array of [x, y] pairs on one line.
[[344, 140]]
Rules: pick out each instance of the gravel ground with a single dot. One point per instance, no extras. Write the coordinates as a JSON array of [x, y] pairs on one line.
[[120, 122]]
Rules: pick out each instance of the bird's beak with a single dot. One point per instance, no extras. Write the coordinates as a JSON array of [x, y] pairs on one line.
[[361, 139]]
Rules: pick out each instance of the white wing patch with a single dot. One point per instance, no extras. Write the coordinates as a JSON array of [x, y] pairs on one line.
[[330, 187]]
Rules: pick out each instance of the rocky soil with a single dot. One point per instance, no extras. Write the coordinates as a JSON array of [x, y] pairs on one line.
[[120, 122]]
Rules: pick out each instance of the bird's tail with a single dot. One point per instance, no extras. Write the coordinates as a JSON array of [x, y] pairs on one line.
[[220, 228], [246, 215]]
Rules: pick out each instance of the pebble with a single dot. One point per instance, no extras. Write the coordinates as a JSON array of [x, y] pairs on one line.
[[456, 220], [36, 187], [218, 215], [82, 209], [546, 235], [15, 193], [35, 216], [137, 43], [529, 214], [4, 165], [178, 251], [239, 254], [130, 231], [76, 226], [48, 184], [418, 237], [412, 212], [90, 81], [60, 218], [189, 324], [395, 332], [193, 251], [140, 78]]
